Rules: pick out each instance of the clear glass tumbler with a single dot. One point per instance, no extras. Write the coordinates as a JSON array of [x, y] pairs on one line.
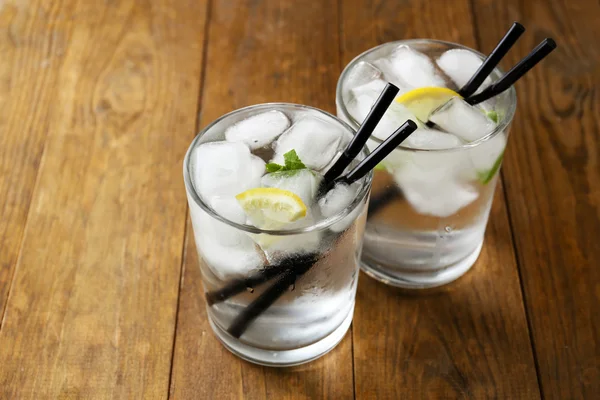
[[430, 200], [276, 297]]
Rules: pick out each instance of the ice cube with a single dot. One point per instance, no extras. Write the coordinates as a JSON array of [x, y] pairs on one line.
[[429, 193], [360, 106], [394, 117], [424, 138], [460, 65], [281, 246], [362, 74], [226, 250], [362, 102], [373, 89], [257, 169], [336, 200], [222, 168], [282, 328], [463, 120], [230, 261], [229, 208], [258, 130], [389, 74], [316, 142], [413, 67], [363, 97], [434, 183], [302, 182]]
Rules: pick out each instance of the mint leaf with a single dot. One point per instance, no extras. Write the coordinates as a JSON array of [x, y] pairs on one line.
[[274, 167], [493, 115], [292, 161]]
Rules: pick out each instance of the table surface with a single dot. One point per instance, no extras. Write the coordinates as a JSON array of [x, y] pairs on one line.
[[100, 293]]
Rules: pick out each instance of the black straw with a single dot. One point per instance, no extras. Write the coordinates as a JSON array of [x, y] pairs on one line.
[[491, 61], [237, 286], [364, 132], [379, 153], [271, 294], [264, 301], [536, 55]]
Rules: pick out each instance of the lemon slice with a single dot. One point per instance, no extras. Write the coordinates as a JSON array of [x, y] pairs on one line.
[[423, 101], [271, 208]]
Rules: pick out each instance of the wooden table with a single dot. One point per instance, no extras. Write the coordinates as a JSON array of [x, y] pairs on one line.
[[100, 293]]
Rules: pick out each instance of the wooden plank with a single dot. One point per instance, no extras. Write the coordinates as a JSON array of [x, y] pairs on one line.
[[31, 44], [92, 309], [552, 177], [259, 51], [469, 339]]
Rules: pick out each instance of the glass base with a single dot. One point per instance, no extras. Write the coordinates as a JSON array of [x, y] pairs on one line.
[[413, 279], [283, 358]]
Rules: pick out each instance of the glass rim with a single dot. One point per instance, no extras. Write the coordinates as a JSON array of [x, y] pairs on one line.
[[317, 226], [500, 127]]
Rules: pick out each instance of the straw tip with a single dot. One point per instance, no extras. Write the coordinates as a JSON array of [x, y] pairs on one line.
[[391, 85], [550, 43], [518, 26], [411, 124]]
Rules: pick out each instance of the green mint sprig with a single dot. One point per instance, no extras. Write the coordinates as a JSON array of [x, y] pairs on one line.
[[292, 163]]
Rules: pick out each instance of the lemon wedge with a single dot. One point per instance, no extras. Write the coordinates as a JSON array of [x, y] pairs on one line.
[[423, 101], [271, 208]]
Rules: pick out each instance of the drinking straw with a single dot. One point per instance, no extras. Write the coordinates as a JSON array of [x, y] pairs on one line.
[[538, 54], [364, 132], [378, 154], [491, 61], [237, 286], [267, 298]]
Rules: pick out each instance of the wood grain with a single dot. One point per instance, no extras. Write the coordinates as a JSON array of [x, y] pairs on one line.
[[259, 51], [32, 40], [91, 312], [552, 176], [98, 103], [469, 339]]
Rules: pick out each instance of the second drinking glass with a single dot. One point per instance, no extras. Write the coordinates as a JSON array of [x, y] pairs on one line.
[[431, 196]]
